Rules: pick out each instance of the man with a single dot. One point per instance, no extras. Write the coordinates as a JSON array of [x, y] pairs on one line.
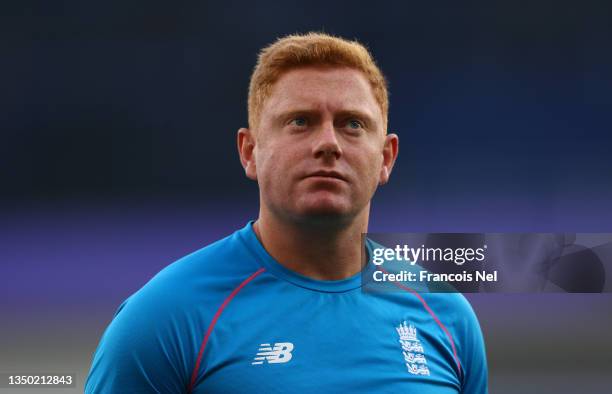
[[277, 307]]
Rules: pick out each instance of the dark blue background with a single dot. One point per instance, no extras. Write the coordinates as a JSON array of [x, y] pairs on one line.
[[490, 100]]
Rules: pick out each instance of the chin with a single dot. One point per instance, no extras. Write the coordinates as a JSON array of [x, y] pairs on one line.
[[325, 213], [326, 205]]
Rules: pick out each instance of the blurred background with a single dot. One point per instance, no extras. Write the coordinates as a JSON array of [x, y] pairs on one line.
[[117, 156]]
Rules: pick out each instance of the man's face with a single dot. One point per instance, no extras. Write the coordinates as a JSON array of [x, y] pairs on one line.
[[320, 149]]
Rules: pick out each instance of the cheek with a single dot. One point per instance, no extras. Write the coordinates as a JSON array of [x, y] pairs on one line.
[[368, 163], [274, 165]]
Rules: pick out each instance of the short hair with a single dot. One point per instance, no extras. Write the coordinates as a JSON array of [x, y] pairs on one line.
[[312, 49]]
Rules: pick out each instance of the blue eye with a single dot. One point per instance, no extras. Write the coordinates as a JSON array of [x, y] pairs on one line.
[[300, 122], [354, 124]]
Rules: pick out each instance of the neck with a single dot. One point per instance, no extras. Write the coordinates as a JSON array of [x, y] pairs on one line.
[[323, 251]]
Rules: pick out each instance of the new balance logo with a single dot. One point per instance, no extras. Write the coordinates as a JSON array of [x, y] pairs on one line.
[[279, 353]]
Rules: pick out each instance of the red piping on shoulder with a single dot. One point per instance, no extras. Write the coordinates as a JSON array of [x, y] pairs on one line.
[[211, 326]]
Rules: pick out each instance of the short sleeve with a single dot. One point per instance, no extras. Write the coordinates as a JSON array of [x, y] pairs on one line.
[[140, 351], [471, 350]]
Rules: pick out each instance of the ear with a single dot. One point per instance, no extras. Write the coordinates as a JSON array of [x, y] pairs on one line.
[[246, 150], [390, 151]]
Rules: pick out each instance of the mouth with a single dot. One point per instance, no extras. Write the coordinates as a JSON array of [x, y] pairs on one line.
[[327, 175]]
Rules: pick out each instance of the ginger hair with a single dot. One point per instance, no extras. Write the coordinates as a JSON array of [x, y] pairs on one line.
[[312, 49]]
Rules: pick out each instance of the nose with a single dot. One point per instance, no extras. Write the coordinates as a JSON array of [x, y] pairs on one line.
[[326, 143]]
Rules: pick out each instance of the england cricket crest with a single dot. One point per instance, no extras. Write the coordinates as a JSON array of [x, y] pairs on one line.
[[414, 354]]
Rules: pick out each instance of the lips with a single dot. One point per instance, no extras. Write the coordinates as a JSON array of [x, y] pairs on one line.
[[327, 174]]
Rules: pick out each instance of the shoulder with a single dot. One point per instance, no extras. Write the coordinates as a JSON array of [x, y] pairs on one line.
[[201, 276], [454, 311], [185, 294], [457, 315], [154, 335], [231, 254]]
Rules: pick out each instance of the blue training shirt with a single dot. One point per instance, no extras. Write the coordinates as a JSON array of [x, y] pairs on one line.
[[230, 319]]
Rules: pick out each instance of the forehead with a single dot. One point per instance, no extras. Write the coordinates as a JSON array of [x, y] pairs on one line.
[[317, 88]]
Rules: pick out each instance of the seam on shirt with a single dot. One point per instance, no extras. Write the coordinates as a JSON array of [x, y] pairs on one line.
[[431, 312], [229, 298]]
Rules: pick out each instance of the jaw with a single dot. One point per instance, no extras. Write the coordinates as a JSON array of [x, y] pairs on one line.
[[321, 214], [323, 203]]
